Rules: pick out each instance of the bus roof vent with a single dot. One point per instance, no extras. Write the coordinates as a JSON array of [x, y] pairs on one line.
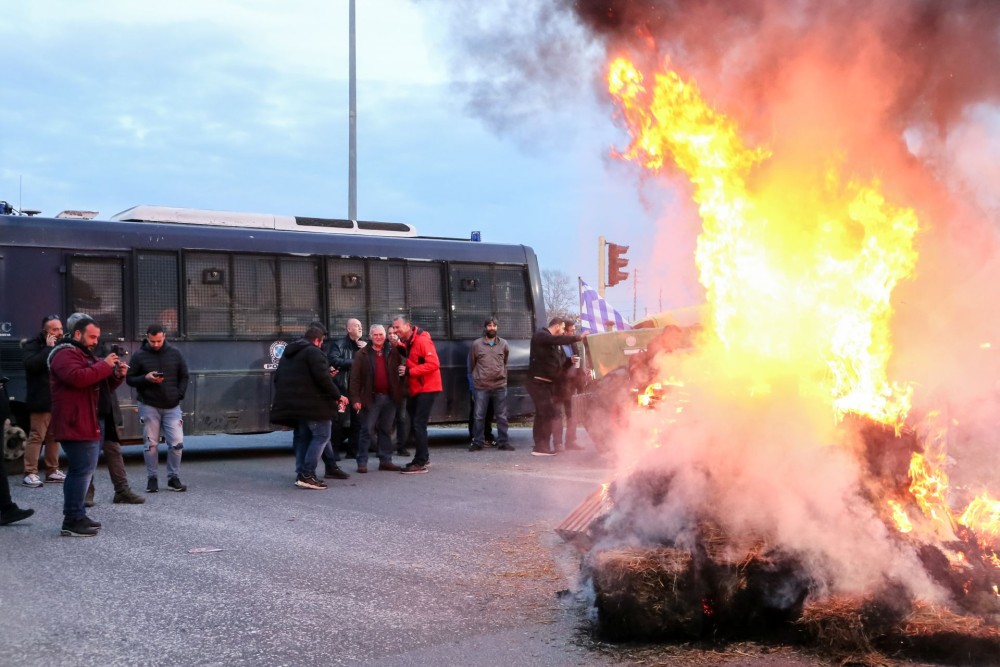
[[78, 215], [192, 216]]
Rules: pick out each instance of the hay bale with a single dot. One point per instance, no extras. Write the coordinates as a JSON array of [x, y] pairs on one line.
[[648, 594]]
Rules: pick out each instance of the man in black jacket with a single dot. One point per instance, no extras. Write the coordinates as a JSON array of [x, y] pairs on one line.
[[39, 402], [307, 400], [545, 369], [160, 375], [340, 353]]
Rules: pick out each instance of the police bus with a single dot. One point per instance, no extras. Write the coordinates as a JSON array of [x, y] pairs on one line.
[[231, 289]]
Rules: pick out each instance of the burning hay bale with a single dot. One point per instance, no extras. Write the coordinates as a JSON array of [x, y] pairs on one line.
[[649, 594], [892, 623]]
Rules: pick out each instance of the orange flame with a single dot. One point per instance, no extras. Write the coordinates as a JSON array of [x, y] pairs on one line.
[[929, 486], [982, 517], [899, 516], [798, 268]]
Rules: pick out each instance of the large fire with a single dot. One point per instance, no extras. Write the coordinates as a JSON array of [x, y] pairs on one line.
[[799, 264], [798, 268]]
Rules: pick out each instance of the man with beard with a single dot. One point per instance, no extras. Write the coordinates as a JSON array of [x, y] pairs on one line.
[[75, 375], [306, 399], [160, 375], [488, 366], [422, 370], [545, 369], [39, 402]]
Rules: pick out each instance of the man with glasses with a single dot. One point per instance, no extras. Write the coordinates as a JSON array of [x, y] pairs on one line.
[[39, 402]]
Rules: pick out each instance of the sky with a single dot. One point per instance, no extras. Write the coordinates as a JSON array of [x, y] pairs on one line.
[[243, 106]]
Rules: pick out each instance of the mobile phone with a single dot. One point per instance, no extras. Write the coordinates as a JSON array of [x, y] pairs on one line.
[[157, 374]]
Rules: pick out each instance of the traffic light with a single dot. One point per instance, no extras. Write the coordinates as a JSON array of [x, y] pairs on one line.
[[616, 262]]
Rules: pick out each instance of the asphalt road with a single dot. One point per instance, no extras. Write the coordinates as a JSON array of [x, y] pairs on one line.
[[456, 567]]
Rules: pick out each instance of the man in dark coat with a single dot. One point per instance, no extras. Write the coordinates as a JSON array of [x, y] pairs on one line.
[[160, 375], [340, 353], [545, 370], [307, 400], [75, 375], [375, 391], [39, 403]]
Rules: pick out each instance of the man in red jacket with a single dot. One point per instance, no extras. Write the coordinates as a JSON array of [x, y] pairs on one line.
[[422, 370], [75, 375]]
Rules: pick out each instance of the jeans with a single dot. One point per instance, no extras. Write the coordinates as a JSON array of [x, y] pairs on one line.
[[487, 425], [376, 423], [484, 398], [170, 423], [40, 434], [402, 426], [82, 458], [419, 407], [309, 439]]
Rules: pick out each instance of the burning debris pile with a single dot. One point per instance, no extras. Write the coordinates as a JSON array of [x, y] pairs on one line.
[[793, 482]]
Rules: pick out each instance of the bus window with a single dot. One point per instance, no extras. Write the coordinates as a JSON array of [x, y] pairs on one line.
[[95, 288], [387, 287], [255, 297], [156, 291], [510, 302], [347, 292], [299, 304], [471, 299], [425, 297], [207, 294]]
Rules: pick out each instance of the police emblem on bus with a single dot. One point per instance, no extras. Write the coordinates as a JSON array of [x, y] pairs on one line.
[[277, 349]]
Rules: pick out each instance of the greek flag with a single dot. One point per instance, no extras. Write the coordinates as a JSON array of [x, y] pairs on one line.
[[596, 314]]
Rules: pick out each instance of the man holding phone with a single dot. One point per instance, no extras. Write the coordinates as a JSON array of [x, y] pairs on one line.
[[160, 375]]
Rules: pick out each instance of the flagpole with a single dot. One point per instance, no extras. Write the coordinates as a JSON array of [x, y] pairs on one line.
[[600, 266]]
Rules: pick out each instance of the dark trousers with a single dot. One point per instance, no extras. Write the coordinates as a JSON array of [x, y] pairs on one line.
[[403, 434], [420, 413], [543, 396], [5, 500], [377, 429], [82, 458]]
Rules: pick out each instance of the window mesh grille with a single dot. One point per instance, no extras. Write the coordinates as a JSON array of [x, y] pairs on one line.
[[156, 275], [300, 289], [471, 299], [510, 298], [387, 290], [95, 288], [208, 302], [255, 297], [425, 296], [347, 292]]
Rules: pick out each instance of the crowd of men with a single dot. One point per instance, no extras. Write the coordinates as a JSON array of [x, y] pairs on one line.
[[330, 393], [71, 383]]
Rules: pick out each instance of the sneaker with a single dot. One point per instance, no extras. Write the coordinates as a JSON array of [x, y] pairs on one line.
[[87, 521], [174, 484], [77, 528], [336, 473], [57, 477], [490, 442], [388, 466], [32, 480], [572, 446], [14, 513], [506, 447], [310, 482], [152, 485], [414, 469], [362, 468], [475, 448], [128, 497], [542, 452]]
